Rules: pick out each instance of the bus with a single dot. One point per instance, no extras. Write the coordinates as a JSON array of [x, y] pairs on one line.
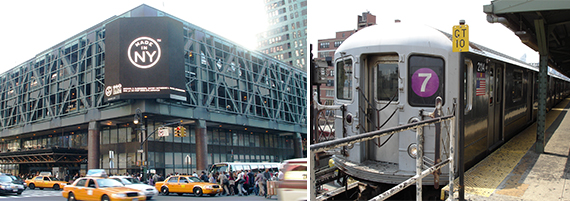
[[235, 166]]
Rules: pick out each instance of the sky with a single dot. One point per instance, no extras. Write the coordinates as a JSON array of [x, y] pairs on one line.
[[326, 17], [30, 27]]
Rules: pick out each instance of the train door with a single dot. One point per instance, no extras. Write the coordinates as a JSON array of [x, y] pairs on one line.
[[495, 105], [384, 77]]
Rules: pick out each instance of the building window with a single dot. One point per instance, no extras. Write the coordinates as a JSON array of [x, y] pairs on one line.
[[337, 43], [324, 45]]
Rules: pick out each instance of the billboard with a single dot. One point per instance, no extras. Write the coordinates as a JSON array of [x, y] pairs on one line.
[[144, 59]]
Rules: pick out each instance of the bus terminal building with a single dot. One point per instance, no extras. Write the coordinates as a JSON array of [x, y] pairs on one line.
[[72, 107]]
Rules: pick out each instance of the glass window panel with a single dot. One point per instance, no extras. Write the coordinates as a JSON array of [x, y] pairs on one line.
[[131, 159], [223, 140], [104, 136], [168, 160], [178, 158], [113, 136], [387, 78], [234, 139], [344, 79], [122, 160], [240, 139], [132, 133], [159, 158], [252, 140], [122, 133], [105, 161], [151, 160], [217, 158]]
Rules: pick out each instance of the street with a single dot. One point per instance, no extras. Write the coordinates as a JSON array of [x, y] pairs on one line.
[[51, 195]]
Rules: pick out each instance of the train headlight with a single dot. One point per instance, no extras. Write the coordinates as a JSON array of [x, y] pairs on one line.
[[413, 150], [348, 119]]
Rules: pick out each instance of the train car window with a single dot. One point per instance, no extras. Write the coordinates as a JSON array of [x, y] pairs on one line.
[[344, 79], [387, 78], [426, 78], [517, 85], [468, 85]]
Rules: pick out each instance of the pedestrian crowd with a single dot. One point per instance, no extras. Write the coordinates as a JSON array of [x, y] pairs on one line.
[[241, 182]]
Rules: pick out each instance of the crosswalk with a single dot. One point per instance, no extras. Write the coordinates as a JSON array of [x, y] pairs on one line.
[[32, 193]]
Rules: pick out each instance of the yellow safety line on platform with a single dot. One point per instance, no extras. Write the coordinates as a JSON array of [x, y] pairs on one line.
[[484, 178]]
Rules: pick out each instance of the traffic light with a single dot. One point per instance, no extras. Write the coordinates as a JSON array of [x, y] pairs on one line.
[[177, 131], [182, 131]]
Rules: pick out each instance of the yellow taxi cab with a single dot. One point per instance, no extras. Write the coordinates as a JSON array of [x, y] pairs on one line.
[[187, 184], [96, 186], [45, 180]]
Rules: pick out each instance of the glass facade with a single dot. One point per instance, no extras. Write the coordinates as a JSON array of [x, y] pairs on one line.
[[178, 154]]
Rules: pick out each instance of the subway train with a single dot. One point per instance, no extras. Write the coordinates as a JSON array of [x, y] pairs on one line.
[[389, 75]]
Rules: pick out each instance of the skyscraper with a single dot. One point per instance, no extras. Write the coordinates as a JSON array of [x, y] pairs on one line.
[[286, 35]]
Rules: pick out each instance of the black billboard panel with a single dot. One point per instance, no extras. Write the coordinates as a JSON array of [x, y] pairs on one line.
[[144, 59]]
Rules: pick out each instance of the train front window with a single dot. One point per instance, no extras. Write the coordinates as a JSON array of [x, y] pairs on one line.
[[344, 79], [387, 78]]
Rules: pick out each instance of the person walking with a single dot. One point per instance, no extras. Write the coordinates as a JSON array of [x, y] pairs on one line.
[[241, 180], [232, 182], [261, 181], [267, 176], [204, 177], [224, 182]]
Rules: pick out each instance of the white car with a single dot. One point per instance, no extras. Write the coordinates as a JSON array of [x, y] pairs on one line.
[[134, 183]]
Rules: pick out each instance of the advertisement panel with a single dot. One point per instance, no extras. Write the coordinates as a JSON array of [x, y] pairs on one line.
[[144, 59]]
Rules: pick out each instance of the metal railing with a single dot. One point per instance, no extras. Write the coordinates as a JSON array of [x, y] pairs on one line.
[[417, 179]]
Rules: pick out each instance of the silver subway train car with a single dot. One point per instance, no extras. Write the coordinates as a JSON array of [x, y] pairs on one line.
[[390, 74]]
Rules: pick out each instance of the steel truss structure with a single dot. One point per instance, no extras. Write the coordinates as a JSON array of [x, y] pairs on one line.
[[68, 80]]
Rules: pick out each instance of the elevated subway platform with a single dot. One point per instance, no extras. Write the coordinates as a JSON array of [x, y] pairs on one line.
[[516, 172]]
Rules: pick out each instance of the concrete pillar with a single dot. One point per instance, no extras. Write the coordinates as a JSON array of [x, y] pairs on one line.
[[201, 145], [93, 152], [298, 145]]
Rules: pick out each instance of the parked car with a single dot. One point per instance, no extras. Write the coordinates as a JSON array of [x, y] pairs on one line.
[[187, 184], [131, 182], [10, 184], [294, 184], [97, 186]]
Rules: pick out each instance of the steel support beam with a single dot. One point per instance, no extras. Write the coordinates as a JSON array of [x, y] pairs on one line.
[[542, 84]]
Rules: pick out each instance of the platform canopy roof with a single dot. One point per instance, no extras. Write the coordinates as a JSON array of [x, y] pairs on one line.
[[520, 15]]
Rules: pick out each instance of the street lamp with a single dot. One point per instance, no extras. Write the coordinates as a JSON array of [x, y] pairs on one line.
[[138, 116], [138, 119]]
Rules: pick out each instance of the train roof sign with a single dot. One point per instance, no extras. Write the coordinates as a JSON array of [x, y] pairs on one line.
[[460, 41]]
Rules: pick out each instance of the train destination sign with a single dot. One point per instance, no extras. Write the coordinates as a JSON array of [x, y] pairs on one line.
[[425, 82], [460, 38]]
